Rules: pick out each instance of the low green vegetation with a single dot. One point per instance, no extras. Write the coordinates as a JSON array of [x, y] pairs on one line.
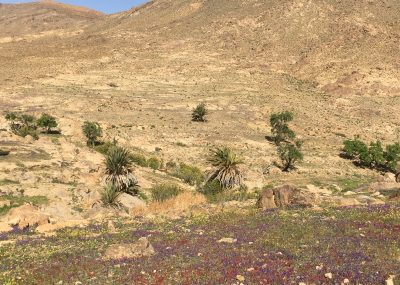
[[16, 201], [166, 191], [109, 195], [280, 128], [25, 124], [92, 131], [374, 155], [191, 175], [199, 113], [47, 122]]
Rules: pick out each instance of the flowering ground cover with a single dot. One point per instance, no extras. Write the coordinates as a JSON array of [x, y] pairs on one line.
[[361, 245]]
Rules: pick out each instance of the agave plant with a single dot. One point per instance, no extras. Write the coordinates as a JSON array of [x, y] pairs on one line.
[[227, 171], [119, 170]]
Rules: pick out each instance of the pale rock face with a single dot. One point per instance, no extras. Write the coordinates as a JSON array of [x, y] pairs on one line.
[[26, 216]]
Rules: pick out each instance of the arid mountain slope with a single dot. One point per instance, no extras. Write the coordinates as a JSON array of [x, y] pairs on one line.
[[41, 18], [139, 73]]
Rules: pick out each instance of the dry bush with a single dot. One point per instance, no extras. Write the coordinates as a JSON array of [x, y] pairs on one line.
[[180, 204]]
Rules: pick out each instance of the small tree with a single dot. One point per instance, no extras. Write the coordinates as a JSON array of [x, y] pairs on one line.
[[290, 153], [199, 113], [48, 122], [354, 148], [227, 171], [279, 127], [392, 157], [119, 171], [92, 131]]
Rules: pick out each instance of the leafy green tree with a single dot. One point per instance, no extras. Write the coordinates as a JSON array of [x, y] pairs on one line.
[[48, 122], [354, 148], [392, 156], [119, 170], [199, 113], [279, 127], [290, 153], [92, 131], [226, 164]]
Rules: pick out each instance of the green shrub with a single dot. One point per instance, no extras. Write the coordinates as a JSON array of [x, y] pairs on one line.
[[189, 174], [109, 196], [373, 156], [211, 188], [104, 148], [139, 159], [199, 113], [48, 122], [154, 163], [392, 156], [290, 153], [163, 192], [279, 127], [22, 125], [92, 131]]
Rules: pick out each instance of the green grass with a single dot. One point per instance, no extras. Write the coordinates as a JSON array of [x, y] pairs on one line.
[[5, 182], [16, 201]]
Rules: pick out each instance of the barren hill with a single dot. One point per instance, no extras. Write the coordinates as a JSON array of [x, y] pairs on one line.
[[39, 18]]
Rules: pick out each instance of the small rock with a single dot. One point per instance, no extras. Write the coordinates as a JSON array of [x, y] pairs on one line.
[[390, 280], [240, 278], [4, 203], [4, 227], [227, 240], [329, 275], [346, 281], [141, 248]]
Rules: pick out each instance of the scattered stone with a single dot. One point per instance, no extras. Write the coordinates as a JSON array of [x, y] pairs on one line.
[[4, 203], [240, 278], [345, 202], [227, 240], [111, 227], [4, 227], [26, 216], [390, 280], [346, 281], [349, 193], [329, 275], [266, 200], [141, 248]]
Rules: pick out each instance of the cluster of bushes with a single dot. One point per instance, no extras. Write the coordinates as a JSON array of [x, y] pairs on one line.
[[288, 146], [24, 124], [188, 173], [374, 155]]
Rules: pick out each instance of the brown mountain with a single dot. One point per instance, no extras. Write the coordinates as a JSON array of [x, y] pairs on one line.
[[40, 17]]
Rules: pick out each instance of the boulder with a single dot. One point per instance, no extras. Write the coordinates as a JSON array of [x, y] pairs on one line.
[[131, 202], [141, 248], [284, 196], [266, 200], [26, 216]]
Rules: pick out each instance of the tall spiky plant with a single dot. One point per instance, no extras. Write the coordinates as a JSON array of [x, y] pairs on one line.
[[119, 170], [227, 170]]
